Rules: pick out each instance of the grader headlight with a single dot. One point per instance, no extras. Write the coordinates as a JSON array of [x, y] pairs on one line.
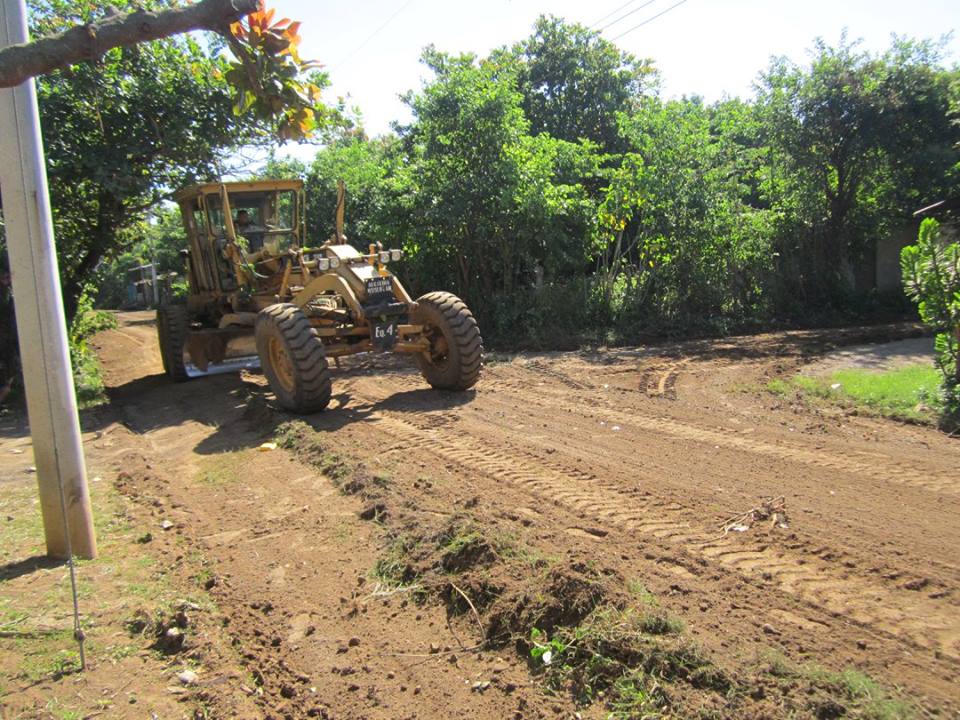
[[323, 264], [395, 255], [334, 263], [384, 257]]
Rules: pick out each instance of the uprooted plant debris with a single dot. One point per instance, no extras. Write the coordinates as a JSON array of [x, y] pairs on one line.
[[350, 478], [583, 632], [773, 509], [167, 629]]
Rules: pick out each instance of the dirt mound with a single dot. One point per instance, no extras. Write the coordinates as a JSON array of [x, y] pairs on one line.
[[352, 478], [463, 547], [562, 596]]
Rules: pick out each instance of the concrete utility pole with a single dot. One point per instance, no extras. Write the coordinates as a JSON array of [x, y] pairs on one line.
[[44, 351]]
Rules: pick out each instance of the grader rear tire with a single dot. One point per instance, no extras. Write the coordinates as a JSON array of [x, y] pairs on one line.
[[292, 357], [456, 348], [172, 327]]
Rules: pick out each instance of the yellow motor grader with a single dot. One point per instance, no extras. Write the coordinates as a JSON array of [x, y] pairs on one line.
[[260, 293]]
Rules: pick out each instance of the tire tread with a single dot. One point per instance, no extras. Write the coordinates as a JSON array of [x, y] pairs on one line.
[[312, 383], [461, 328]]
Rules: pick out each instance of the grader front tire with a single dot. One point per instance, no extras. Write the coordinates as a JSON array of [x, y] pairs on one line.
[[293, 359], [456, 348]]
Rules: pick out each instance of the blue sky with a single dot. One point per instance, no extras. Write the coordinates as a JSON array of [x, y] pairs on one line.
[[705, 47]]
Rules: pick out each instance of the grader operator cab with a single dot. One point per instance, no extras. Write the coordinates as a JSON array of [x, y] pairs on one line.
[[258, 291]]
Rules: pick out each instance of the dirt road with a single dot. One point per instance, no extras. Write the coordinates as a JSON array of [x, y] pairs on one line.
[[631, 459]]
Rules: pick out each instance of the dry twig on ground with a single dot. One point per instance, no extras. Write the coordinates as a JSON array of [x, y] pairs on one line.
[[774, 509]]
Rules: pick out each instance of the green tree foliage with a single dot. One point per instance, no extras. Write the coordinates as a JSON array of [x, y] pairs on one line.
[[685, 248], [120, 134], [547, 183], [124, 132], [550, 187], [931, 277], [271, 80], [492, 202], [376, 206], [574, 82], [158, 238], [856, 140]]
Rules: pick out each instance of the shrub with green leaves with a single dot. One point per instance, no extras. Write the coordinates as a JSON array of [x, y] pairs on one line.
[[86, 323], [931, 277]]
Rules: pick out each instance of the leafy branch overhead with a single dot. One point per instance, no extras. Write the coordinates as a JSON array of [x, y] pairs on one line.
[[269, 77]]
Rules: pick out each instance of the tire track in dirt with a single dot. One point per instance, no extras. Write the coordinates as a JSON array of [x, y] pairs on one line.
[[837, 555], [661, 384], [657, 381], [535, 406], [906, 473], [554, 374], [922, 622], [540, 402]]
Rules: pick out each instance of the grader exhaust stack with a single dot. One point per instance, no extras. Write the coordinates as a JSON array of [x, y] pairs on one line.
[[259, 293]]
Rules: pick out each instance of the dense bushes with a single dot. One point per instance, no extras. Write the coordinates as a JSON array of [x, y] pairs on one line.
[[552, 188], [86, 323]]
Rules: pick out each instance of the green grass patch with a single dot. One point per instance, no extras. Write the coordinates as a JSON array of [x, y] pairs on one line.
[[58, 710], [512, 548], [860, 696], [393, 568], [343, 533], [222, 469], [21, 503], [639, 590], [897, 391], [866, 697], [909, 393], [662, 624], [38, 639], [640, 664]]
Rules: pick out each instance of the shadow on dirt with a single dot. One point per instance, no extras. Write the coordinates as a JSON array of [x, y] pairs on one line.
[[424, 399], [151, 321], [137, 389], [246, 426], [26, 566], [242, 412], [795, 344], [152, 402]]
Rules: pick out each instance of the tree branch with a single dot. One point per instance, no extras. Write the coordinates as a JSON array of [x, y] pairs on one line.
[[18, 63]]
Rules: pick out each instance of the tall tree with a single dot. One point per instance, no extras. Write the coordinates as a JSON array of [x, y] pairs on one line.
[[88, 41], [490, 201], [677, 217], [859, 141], [574, 82]]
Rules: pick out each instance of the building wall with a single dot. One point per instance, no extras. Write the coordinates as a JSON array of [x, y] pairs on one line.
[[888, 252], [888, 256]]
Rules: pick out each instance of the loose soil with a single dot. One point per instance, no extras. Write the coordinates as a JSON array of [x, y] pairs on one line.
[[391, 558]]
